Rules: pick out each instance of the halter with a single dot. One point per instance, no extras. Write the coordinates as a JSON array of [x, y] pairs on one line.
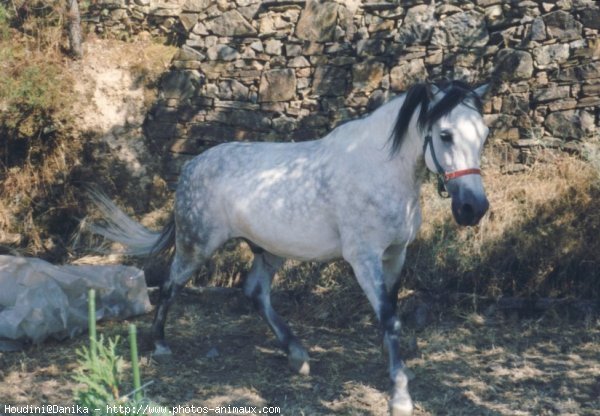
[[442, 176]]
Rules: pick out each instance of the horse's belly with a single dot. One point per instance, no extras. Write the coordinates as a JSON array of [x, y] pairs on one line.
[[301, 239]]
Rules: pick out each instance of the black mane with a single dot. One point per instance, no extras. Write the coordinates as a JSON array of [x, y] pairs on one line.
[[420, 95]]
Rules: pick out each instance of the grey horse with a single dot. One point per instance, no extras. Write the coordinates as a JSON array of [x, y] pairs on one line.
[[352, 194]]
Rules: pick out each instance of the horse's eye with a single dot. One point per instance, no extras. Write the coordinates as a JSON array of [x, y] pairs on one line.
[[446, 136]]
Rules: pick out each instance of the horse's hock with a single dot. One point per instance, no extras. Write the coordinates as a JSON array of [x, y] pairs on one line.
[[291, 70]]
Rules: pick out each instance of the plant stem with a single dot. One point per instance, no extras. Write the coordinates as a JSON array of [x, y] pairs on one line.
[[92, 324], [134, 362]]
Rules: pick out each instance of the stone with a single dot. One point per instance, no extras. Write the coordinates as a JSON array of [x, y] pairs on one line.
[[466, 29], [233, 90], [317, 21], [277, 85], [370, 47], [564, 124], [165, 9], [402, 76], [417, 26], [186, 53], [284, 124], [367, 75], [179, 85], [578, 73], [329, 81], [273, 47], [188, 20], [538, 29], [512, 64], [251, 120], [196, 6], [293, 49], [551, 55], [590, 17], [562, 25], [553, 92], [222, 53], [298, 62], [231, 23]]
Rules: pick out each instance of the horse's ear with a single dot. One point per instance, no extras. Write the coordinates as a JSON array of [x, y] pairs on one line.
[[482, 91]]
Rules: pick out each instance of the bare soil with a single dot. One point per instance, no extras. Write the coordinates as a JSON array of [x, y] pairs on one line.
[[224, 355]]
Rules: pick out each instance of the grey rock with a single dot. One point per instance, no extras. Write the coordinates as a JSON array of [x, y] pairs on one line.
[[590, 17], [562, 25], [277, 85], [538, 29], [564, 124], [196, 5], [231, 23], [514, 64], [551, 55], [317, 21], [367, 75], [465, 29], [222, 53], [417, 26], [329, 81], [405, 74]]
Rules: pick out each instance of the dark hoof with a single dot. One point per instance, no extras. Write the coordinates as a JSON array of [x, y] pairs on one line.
[[161, 349], [298, 358]]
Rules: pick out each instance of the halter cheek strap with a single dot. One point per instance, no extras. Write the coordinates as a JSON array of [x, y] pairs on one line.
[[443, 176]]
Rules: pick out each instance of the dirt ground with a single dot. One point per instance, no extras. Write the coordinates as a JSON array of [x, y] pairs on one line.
[[464, 363]]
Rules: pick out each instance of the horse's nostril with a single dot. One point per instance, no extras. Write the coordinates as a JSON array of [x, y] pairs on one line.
[[467, 210]]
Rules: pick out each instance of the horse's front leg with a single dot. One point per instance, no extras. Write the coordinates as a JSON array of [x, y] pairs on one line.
[[369, 271]]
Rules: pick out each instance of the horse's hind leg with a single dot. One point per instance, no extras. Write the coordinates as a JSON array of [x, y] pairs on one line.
[[258, 289], [182, 268]]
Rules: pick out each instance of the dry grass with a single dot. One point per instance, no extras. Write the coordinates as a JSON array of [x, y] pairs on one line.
[[539, 237]]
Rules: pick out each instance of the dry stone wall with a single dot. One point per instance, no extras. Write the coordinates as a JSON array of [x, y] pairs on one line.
[[293, 69]]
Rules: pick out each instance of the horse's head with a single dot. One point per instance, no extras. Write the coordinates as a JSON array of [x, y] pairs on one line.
[[454, 139], [453, 133]]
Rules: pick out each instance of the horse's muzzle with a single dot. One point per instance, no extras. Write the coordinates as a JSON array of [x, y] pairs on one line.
[[469, 203]]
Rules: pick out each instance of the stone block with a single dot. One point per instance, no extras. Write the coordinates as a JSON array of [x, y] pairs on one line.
[[513, 65], [466, 29], [329, 81], [277, 85], [367, 75], [231, 23], [402, 76], [562, 25], [317, 21]]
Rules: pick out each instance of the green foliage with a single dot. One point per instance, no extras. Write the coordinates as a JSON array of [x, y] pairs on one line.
[[101, 372]]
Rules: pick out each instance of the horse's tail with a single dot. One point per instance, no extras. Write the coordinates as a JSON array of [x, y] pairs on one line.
[[156, 246]]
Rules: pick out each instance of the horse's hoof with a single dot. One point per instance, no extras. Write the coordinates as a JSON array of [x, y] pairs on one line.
[[401, 403], [298, 358], [401, 406], [161, 349]]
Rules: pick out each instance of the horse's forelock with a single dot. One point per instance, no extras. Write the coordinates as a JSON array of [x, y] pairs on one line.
[[420, 95], [455, 93]]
